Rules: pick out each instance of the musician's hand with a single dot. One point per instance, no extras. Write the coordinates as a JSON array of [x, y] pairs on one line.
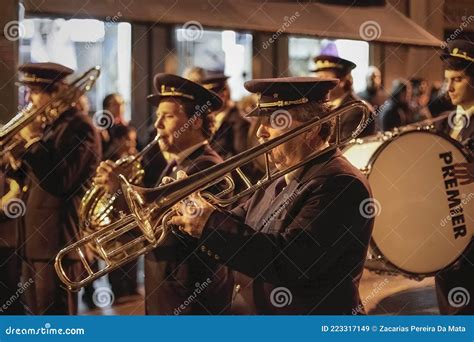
[[107, 177], [192, 212], [166, 180], [464, 172], [32, 132]]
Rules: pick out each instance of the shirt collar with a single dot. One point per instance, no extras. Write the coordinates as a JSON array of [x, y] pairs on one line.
[[336, 103], [461, 111]]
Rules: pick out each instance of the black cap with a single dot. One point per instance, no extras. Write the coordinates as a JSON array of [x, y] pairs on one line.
[[288, 92], [328, 62], [459, 53], [216, 83], [169, 85], [43, 74]]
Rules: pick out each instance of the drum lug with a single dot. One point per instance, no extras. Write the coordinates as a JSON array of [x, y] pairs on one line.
[[365, 170]]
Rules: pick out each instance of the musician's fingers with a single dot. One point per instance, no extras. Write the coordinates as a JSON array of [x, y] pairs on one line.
[[181, 175], [98, 180], [178, 220], [110, 163], [104, 168], [167, 180]]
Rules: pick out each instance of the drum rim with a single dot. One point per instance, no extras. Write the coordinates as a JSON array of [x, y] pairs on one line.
[[369, 166]]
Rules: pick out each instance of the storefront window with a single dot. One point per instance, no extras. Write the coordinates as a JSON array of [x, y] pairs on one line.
[[81, 44], [303, 50], [226, 51]]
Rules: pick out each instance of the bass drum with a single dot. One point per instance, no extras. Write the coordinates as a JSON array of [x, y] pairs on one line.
[[424, 219]]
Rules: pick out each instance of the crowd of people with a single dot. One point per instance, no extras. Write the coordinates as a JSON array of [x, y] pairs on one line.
[[239, 256]]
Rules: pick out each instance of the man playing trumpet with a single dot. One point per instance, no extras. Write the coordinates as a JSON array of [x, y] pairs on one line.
[[174, 271], [297, 246]]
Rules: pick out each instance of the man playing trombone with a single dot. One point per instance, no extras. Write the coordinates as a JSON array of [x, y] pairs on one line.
[[174, 271], [297, 246], [57, 159]]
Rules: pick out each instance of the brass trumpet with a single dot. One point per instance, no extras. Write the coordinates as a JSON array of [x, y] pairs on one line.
[[151, 208]]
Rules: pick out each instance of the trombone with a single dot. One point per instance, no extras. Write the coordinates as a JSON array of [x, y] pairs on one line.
[[64, 99], [49, 112], [151, 208]]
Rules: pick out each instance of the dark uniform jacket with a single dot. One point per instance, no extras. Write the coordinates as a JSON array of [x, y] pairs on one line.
[[231, 137], [153, 163], [57, 168], [178, 280], [299, 253]]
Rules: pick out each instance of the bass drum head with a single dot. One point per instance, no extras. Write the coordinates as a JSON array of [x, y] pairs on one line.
[[424, 217], [359, 153]]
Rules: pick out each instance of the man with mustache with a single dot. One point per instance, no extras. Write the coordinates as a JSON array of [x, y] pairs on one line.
[[304, 237]]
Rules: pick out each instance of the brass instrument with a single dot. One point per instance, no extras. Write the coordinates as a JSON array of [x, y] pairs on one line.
[[151, 208], [98, 207], [49, 112], [9, 138]]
